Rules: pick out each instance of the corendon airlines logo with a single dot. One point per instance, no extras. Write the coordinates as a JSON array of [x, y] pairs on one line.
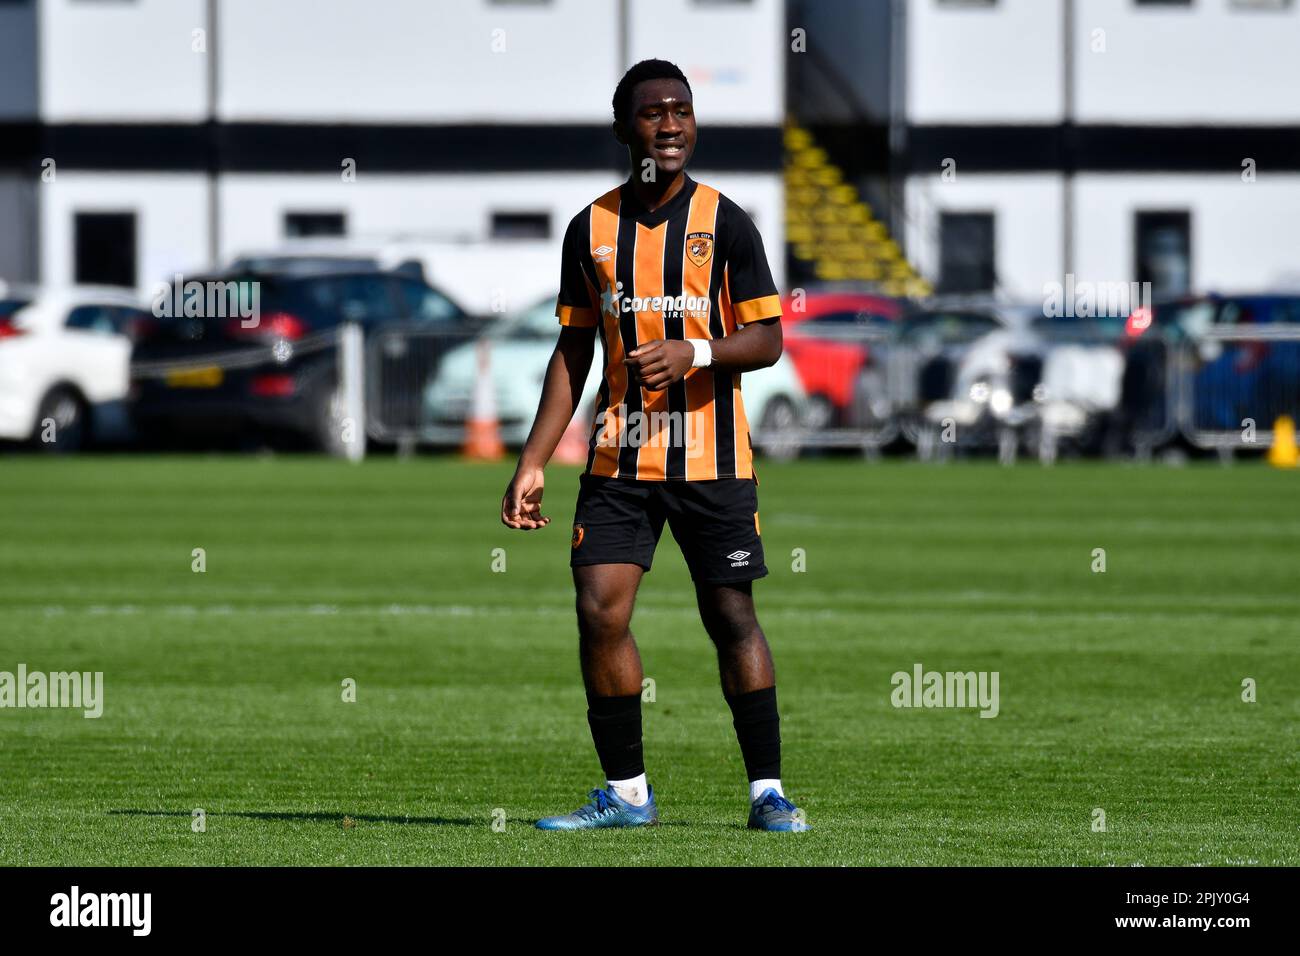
[[613, 301]]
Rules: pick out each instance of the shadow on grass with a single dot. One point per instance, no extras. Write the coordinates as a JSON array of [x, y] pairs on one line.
[[339, 817], [315, 817]]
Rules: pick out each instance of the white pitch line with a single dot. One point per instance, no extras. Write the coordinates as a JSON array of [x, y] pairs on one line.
[[437, 610], [566, 611]]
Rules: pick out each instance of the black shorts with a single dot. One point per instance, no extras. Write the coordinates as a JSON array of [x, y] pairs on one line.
[[619, 520]]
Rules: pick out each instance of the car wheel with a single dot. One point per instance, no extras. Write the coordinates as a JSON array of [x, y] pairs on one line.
[[62, 422], [870, 403], [821, 413], [780, 430]]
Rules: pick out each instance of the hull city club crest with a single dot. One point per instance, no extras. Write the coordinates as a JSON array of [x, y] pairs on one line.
[[699, 246]]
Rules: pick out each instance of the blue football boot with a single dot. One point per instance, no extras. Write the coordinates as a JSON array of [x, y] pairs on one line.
[[774, 813], [606, 810]]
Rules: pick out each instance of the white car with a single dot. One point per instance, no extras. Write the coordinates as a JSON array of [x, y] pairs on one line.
[[1045, 378], [520, 349], [64, 360]]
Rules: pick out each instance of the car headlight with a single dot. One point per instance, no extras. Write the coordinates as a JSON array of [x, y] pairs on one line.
[[979, 392]]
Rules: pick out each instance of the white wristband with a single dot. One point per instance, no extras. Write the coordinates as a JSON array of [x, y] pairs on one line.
[[703, 353]]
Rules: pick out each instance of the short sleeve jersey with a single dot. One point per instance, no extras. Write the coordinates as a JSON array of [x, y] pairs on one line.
[[694, 268]]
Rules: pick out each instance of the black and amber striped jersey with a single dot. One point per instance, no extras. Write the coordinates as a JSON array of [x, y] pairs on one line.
[[692, 269]]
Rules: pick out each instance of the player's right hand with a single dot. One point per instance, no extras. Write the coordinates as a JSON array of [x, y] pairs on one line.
[[521, 508]]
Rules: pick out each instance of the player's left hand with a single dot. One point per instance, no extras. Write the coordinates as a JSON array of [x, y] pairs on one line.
[[658, 364]]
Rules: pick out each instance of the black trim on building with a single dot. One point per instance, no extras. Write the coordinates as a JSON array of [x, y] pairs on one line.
[[861, 150], [1095, 148], [319, 148]]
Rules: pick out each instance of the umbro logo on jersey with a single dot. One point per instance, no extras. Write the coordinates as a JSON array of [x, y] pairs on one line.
[[737, 558], [601, 253]]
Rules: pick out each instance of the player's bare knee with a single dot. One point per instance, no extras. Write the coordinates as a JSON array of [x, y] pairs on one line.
[[601, 620], [731, 625], [728, 613]]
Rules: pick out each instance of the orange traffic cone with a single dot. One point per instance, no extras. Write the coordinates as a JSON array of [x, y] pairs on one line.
[[1283, 453], [573, 446], [483, 430]]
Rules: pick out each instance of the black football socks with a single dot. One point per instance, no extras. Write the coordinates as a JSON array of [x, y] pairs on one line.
[[758, 729], [616, 730]]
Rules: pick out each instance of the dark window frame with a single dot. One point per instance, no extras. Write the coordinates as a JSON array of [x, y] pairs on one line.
[[985, 270], [99, 257], [1147, 221], [313, 219], [512, 224]]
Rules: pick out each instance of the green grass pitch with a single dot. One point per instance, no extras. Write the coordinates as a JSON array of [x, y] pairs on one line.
[[1119, 690]]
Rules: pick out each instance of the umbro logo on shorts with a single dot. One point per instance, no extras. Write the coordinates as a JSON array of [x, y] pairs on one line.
[[737, 558]]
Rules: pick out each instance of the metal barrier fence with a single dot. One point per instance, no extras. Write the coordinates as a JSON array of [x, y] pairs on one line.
[[1029, 390], [1234, 382], [419, 385], [1034, 388], [849, 386]]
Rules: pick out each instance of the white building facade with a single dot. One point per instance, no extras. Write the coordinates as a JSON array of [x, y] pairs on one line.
[[1115, 140], [150, 137]]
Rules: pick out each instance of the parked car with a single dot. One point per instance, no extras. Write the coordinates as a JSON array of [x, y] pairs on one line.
[[1186, 345], [521, 347], [1191, 316], [934, 341], [217, 371], [835, 341], [1232, 379], [64, 357], [1007, 376]]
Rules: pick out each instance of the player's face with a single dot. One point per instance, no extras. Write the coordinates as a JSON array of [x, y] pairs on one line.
[[661, 127]]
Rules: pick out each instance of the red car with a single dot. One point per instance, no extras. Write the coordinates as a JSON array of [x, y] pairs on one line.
[[829, 341]]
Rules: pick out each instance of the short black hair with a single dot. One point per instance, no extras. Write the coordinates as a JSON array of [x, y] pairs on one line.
[[645, 70]]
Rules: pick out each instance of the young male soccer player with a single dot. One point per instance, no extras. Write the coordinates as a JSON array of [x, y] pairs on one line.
[[671, 275]]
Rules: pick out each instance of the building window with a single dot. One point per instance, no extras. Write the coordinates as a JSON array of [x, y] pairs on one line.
[[301, 225], [1163, 246], [521, 225], [966, 252], [104, 250]]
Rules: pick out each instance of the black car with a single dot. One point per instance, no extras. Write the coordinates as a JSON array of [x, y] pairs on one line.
[[208, 365]]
